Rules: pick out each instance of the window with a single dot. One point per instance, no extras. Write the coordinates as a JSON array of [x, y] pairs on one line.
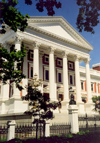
[[46, 75], [70, 65], [30, 70], [71, 78], [46, 59], [59, 76], [59, 62], [31, 54], [92, 86], [82, 85]]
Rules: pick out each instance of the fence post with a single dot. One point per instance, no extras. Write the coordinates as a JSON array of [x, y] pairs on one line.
[[47, 129], [11, 130], [73, 118]]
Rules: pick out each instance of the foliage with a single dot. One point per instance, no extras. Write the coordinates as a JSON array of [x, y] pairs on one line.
[[88, 16], [39, 105], [96, 100], [11, 64], [11, 16], [85, 138]]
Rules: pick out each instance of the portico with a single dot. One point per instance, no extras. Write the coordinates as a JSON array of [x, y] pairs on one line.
[[55, 58]]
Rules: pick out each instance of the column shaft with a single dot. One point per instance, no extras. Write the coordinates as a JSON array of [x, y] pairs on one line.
[[36, 60], [65, 77], [77, 80], [51, 75], [88, 83]]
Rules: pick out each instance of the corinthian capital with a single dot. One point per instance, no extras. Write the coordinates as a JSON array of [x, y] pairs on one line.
[[51, 49], [77, 57], [87, 60], [65, 54], [18, 38], [36, 45]]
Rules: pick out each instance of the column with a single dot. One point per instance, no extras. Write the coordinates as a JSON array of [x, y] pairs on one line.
[[52, 94], [18, 40], [36, 59], [77, 79], [25, 72], [88, 83], [41, 69], [65, 77]]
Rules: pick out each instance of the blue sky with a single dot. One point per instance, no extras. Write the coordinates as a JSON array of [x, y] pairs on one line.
[[69, 11]]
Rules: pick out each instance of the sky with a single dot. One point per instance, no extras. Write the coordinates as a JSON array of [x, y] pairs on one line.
[[69, 11]]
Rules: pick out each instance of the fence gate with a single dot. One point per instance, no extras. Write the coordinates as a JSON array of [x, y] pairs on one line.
[[89, 122], [60, 129]]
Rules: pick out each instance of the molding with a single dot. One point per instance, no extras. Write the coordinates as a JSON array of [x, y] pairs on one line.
[[62, 22]]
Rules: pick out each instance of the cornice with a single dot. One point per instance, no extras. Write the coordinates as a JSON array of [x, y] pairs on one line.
[[58, 37], [62, 21]]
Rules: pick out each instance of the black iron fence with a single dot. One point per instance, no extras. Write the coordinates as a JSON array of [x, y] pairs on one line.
[[3, 132], [89, 122], [60, 129], [30, 130]]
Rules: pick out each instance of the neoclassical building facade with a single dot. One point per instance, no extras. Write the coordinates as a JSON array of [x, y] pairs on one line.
[[54, 51]]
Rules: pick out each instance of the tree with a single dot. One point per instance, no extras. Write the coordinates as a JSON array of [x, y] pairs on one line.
[[96, 101], [9, 70], [39, 105], [88, 17]]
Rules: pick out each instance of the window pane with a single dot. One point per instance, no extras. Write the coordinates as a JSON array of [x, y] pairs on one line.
[[31, 72], [46, 74], [59, 77], [71, 81], [92, 87], [82, 85]]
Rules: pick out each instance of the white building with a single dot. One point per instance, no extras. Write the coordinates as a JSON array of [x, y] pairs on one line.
[[54, 50]]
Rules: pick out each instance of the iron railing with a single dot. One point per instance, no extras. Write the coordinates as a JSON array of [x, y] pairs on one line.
[[60, 129], [89, 122]]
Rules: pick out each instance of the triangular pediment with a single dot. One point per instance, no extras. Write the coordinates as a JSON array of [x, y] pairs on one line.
[[58, 27]]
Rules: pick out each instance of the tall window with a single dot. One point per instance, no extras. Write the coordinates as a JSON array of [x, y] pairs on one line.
[[92, 86], [31, 72], [46, 75], [82, 85], [71, 79], [59, 77]]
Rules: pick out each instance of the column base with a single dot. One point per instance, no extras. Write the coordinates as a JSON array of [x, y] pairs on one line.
[[64, 106], [81, 109], [89, 106]]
